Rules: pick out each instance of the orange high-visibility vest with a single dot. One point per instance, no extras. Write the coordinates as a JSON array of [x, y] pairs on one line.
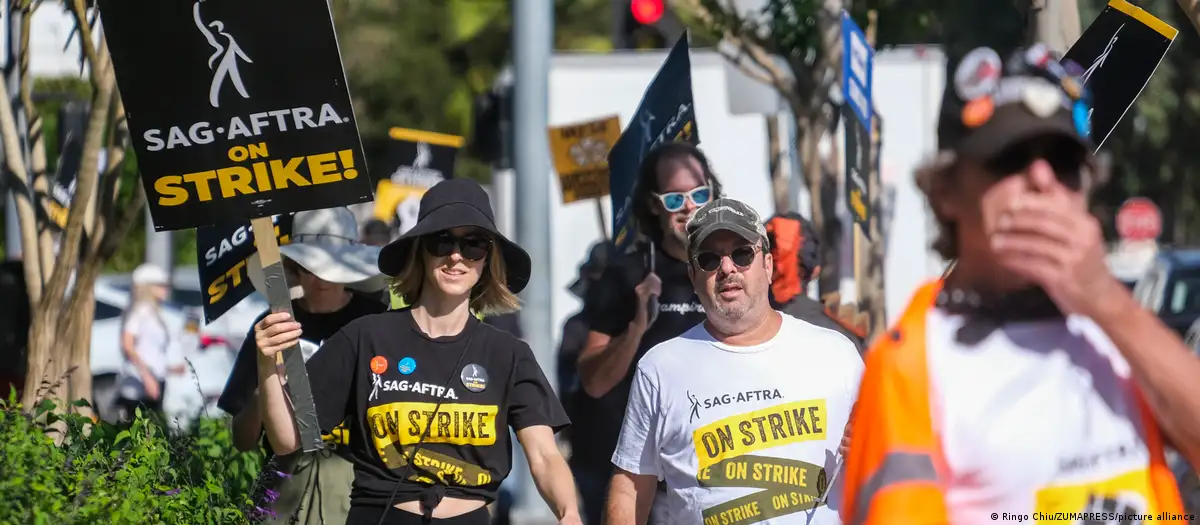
[[895, 471]]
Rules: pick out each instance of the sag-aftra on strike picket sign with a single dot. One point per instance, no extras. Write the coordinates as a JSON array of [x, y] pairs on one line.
[[238, 109]]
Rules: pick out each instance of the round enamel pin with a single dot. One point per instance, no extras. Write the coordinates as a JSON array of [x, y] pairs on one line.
[[978, 74], [1038, 55], [1072, 87], [378, 365], [977, 112], [407, 365], [1042, 99], [1082, 117], [474, 378]]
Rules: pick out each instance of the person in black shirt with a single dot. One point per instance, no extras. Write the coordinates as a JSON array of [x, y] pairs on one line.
[[575, 329], [428, 390], [334, 272], [642, 299], [796, 251]]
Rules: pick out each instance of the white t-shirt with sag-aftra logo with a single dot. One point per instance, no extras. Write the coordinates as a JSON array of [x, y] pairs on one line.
[[743, 435]]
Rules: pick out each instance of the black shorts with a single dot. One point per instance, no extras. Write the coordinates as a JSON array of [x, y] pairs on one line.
[[363, 515]]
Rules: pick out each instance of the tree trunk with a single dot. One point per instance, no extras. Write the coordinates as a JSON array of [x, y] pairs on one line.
[[874, 297], [817, 177], [779, 178], [59, 348], [1056, 23], [1192, 9], [80, 333], [872, 293]]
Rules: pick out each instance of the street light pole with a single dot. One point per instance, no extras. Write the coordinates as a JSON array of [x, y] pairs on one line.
[[533, 37]]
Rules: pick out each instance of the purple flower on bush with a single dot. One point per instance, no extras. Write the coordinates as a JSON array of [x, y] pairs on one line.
[[270, 495], [260, 512], [282, 474], [172, 492]]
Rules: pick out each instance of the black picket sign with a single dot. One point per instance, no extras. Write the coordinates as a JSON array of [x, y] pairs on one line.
[[1118, 54], [223, 252], [858, 161], [237, 109], [403, 166]]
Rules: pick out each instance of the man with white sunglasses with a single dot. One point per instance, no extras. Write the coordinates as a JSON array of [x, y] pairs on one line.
[[741, 416], [641, 299]]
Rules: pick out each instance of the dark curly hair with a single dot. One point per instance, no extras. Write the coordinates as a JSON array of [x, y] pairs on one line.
[[647, 184]]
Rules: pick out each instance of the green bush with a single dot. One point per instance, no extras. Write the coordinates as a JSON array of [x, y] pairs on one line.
[[135, 474]]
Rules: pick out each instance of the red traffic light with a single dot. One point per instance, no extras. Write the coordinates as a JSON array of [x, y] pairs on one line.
[[647, 12]]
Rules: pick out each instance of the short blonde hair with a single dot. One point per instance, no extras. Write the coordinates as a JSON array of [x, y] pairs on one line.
[[490, 296]]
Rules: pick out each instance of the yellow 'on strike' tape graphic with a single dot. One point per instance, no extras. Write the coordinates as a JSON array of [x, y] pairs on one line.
[[788, 486], [1126, 494], [775, 426], [431, 467], [454, 424]]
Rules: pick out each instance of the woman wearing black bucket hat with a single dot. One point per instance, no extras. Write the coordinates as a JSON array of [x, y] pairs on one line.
[[429, 390]]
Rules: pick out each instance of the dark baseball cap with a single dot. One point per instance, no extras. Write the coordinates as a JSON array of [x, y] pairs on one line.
[[724, 214], [793, 233], [990, 105]]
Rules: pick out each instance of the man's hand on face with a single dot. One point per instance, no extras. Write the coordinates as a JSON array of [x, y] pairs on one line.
[[1050, 239]]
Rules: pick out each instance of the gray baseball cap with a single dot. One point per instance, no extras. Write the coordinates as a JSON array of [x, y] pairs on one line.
[[724, 214]]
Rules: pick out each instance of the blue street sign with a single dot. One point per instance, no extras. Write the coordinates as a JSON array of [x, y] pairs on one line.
[[858, 64]]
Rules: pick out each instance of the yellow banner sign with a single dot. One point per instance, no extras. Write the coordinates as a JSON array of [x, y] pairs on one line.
[[580, 154]]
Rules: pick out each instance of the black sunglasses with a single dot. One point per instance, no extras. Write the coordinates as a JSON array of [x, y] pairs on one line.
[[472, 246], [741, 256], [1065, 157]]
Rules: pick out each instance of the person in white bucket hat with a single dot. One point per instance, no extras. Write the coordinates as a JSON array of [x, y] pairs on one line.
[[335, 280]]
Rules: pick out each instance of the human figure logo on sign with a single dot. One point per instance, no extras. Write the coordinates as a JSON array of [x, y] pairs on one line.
[[228, 66], [1115, 58], [410, 162], [208, 162]]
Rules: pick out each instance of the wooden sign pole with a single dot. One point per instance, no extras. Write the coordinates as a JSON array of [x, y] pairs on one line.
[[292, 359], [600, 217]]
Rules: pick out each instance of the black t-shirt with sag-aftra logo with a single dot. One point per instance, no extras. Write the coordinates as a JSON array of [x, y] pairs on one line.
[[384, 376]]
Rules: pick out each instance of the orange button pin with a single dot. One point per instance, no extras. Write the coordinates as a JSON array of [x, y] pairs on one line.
[[378, 364], [977, 112]]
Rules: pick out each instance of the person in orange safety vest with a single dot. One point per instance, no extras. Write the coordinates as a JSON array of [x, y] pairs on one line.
[[1028, 384]]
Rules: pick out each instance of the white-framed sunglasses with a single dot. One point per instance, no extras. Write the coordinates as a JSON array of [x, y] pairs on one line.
[[676, 200]]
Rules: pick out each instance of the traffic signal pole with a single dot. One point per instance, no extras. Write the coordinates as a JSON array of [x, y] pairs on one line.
[[533, 33]]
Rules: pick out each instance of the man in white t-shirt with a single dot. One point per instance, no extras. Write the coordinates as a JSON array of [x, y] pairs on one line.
[[742, 416]]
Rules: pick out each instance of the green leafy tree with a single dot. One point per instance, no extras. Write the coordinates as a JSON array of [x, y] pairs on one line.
[[420, 64]]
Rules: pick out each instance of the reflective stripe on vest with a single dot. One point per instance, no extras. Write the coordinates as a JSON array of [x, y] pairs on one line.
[[895, 471], [897, 468]]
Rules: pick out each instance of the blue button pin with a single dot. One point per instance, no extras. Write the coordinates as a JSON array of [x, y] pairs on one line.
[[407, 365]]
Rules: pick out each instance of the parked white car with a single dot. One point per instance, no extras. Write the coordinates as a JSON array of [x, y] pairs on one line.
[[208, 355]]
